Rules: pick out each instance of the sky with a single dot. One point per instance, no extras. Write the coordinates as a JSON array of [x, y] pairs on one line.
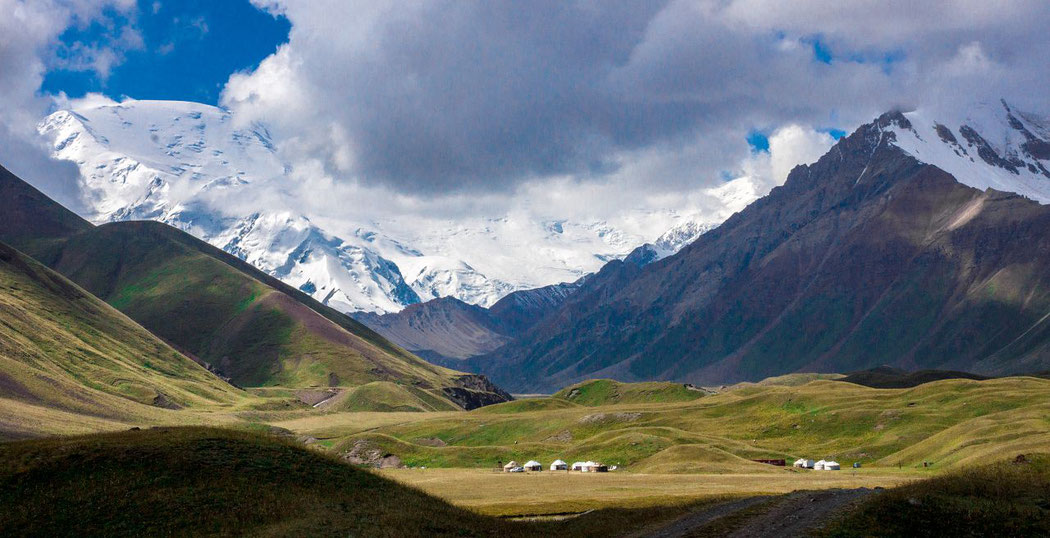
[[183, 50], [580, 108]]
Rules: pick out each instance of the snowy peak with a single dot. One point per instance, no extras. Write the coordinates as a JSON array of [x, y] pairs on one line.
[[193, 167], [292, 249], [991, 146], [678, 237]]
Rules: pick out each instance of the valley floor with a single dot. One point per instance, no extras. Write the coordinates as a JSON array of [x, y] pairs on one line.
[[548, 493], [680, 453]]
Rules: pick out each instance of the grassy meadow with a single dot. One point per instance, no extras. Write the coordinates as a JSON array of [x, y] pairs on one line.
[[948, 423], [672, 452], [517, 494]]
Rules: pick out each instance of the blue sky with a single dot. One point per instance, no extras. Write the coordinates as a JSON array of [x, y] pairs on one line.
[[178, 50]]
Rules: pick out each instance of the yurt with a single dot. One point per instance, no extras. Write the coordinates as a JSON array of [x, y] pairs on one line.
[[559, 465], [831, 466], [578, 466], [819, 465], [803, 463], [533, 465], [510, 466]]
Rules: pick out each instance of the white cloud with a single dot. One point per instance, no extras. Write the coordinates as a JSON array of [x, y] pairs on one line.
[[609, 103], [573, 109], [28, 33]]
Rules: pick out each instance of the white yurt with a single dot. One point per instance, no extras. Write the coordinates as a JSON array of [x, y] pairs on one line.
[[559, 465], [819, 465], [510, 465], [831, 466], [578, 466], [803, 463], [533, 465]]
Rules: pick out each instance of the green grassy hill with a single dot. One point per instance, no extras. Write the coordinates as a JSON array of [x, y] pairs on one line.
[[203, 481], [386, 396], [64, 350], [606, 391], [244, 324], [950, 422], [1006, 498]]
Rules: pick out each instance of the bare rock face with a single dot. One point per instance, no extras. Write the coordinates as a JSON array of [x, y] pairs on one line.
[[866, 257], [475, 391]]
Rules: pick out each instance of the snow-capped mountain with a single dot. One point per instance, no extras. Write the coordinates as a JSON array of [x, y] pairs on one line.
[[991, 145], [181, 163]]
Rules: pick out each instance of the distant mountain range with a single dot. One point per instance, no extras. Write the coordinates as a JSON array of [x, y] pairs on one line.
[[914, 242], [183, 163], [240, 323]]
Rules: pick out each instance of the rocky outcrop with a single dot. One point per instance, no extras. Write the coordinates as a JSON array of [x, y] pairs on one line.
[[474, 391], [363, 452]]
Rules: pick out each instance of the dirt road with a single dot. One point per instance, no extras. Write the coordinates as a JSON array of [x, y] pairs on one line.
[[794, 514]]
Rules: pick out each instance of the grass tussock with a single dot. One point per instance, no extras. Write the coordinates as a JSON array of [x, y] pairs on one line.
[[1002, 499]]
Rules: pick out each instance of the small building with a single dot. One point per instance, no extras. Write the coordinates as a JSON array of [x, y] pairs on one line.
[[803, 463], [509, 466], [819, 465], [559, 465], [590, 467], [533, 465], [831, 466]]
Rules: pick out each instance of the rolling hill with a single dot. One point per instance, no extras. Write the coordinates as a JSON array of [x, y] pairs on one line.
[[955, 422], [212, 482], [208, 482], [869, 256], [71, 363], [238, 321]]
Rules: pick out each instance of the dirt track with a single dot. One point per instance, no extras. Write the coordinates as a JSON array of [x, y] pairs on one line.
[[794, 514]]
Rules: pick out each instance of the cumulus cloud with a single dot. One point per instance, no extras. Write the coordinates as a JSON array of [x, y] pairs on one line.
[[28, 33], [447, 97], [576, 108]]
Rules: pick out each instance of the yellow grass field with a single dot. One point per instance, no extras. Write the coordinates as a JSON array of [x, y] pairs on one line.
[[521, 494]]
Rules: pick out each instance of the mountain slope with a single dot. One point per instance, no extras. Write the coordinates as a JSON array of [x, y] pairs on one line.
[[447, 330], [242, 323], [867, 257], [64, 349], [30, 218]]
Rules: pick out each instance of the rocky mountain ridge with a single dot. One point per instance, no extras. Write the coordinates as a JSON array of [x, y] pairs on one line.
[[873, 255]]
